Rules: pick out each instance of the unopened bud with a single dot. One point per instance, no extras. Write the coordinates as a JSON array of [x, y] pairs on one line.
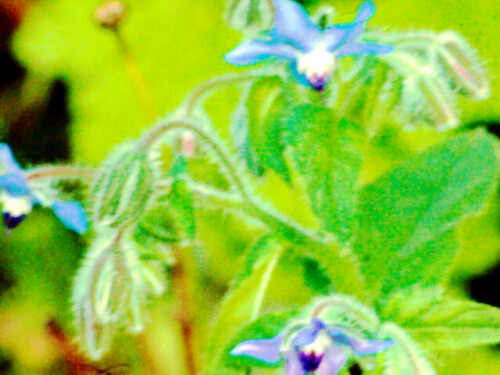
[[188, 143], [110, 15], [459, 59], [440, 102], [122, 187]]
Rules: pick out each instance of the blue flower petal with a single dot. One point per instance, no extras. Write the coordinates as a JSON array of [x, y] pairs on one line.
[[71, 214], [333, 361], [360, 347], [307, 335], [267, 350], [8, 159], [360, 48], [365, 12], [255, 51], [14, 184], [344, 33], [292, 24], [293, 365]]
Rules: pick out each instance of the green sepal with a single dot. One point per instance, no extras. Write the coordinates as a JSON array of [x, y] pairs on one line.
[[249, 15], [123, 187], [405, 357]]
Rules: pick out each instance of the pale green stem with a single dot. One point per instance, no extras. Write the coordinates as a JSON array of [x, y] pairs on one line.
[[199, 93], [251, 206], [66, 172]]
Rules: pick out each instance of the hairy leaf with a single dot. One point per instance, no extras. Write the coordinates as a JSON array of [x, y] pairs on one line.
[[328, 155], [453, 324], [404, 357], [242, 304], [407, 217]]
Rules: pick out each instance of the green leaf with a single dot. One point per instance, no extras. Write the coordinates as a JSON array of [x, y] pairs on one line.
[[328, 155], [454, 324], [406, 231], [242, 304], [181, 201], [266, 326], [404, 357], [340, 266], [257, 128]]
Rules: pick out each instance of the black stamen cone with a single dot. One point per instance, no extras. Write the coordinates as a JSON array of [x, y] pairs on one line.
[[12, 222], [310, 361]]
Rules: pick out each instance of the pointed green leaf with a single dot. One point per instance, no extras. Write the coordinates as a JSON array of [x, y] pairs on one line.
[[328, 155], [257, 128], [266, 326], [452, 324], [406, 232], [242, 304]]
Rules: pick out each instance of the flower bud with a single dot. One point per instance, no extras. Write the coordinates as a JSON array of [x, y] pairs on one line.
[[460, 62], [110, 15], [123, 186], [111, 289], [442, 111]]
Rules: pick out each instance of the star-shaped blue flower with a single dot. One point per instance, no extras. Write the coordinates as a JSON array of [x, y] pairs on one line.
[[18, 197], [315, 348], [311, 50]]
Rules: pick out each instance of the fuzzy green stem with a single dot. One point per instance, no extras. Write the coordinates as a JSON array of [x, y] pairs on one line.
[[222, 154], [64, 171], [250, 205], [199, 93]]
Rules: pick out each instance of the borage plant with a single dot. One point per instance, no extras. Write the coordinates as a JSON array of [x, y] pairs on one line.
[[377, 247]]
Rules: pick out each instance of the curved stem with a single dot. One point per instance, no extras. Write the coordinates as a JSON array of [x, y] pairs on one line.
[[60, 172], [230, 79], [251, 206], [216, 146]]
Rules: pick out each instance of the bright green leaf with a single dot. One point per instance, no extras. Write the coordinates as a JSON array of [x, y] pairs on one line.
[[406, 232], [242, 304], [452, 324], [328, 155]]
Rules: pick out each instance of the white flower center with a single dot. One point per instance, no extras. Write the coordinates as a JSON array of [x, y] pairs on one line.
[[16, 206], [317, 64], [319, 345]]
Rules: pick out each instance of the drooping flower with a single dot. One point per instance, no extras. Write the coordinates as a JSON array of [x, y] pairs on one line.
[[18, 196], [311, 50], [315, 348]]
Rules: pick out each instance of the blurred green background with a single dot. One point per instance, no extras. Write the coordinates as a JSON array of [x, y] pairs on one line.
[[66, 95]]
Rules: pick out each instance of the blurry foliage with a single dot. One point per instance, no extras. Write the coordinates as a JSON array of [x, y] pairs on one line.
[[178, 44]]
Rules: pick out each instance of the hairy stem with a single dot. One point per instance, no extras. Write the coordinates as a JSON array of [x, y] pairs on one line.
[[250, 205], [60, 172], [227, 80], [215, 145]]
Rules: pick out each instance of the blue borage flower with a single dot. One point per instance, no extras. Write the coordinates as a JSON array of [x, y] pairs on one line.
[[18, 197], [310, 49], [314, 348]]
